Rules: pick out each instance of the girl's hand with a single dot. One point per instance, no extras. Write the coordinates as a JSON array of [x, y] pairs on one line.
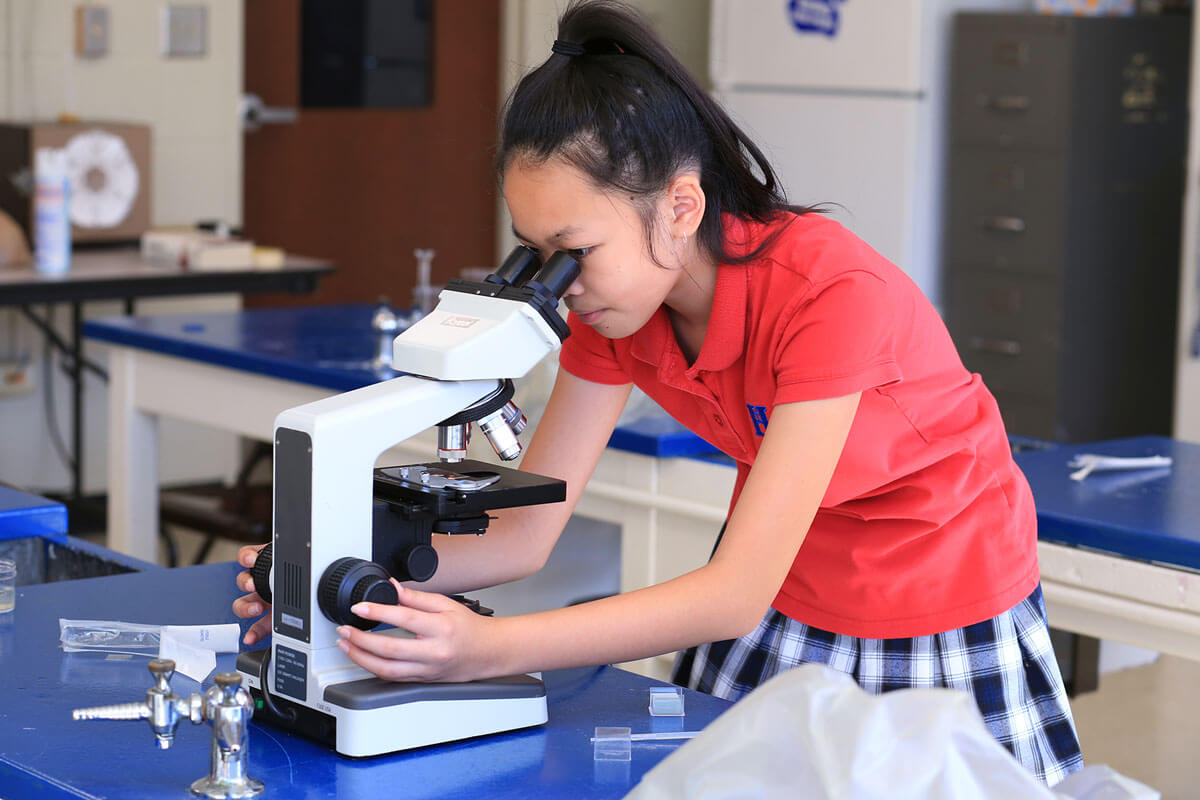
[[251, 605], [452, 642]]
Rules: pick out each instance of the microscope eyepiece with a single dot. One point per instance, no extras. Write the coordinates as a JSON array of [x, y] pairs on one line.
[[519, 267], [559, 272]]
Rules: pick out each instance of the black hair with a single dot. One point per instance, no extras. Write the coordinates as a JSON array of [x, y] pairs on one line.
[[629, 115]]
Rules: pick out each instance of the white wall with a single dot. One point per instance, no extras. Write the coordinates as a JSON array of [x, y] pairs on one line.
[[191, 106], [1187, 372]]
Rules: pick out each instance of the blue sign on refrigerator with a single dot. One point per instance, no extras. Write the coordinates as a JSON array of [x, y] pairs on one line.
[[815, 16]]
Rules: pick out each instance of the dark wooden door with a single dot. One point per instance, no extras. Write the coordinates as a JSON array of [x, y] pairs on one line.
[[365, 187]]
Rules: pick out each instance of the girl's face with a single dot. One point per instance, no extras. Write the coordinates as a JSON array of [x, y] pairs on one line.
[[554, 207]]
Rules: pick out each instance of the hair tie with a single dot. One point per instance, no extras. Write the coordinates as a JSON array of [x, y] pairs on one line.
[[567, 48]]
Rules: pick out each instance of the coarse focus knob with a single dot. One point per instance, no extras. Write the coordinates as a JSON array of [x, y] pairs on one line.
[[351, 580], [261, 572]]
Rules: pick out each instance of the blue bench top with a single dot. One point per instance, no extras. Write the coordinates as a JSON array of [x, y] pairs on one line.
[[1147, 514], [327, 346], [23, 514]]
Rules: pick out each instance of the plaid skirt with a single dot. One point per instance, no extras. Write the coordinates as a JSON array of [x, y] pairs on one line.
[[1006, 663]]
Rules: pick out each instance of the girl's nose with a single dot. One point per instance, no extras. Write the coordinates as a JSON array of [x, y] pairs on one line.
[[575, 288]]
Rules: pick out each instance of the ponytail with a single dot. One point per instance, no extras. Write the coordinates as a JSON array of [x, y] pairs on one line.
[[613, 101]]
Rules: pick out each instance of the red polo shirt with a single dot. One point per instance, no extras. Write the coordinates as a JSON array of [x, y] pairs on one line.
[[927, 524]]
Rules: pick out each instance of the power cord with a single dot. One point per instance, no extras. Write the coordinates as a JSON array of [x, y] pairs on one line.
[[263, 671]]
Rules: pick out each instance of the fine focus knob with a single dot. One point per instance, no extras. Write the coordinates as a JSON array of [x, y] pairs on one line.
[[261, 572], [373, 589], [348, 581], [420, 562]]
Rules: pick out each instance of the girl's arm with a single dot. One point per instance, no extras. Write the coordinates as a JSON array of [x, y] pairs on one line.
[[725, 598]]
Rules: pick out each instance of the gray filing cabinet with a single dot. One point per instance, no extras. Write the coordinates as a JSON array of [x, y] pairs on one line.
[[1065, 192]]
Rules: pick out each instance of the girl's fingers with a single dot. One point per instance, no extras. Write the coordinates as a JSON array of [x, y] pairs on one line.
[[245, 581], [389, 648], [409, 619], [248, 554], [423, 601], [259, 630], [250, 605], [391, 669]]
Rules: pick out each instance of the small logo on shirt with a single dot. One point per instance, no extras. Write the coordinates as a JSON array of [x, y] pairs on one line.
[[815, 16], [758, 416]]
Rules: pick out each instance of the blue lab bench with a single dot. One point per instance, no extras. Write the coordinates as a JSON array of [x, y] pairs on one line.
[[33, 534], [1150, 515], [1119, 550], [46, 754]]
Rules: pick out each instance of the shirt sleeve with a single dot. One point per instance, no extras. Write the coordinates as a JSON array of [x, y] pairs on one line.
[[588, 355], [838, 339]]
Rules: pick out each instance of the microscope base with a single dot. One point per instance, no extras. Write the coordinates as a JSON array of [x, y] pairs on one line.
[[372, 716]]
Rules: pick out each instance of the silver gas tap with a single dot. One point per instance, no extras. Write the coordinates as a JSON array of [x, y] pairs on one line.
[[227, 706]]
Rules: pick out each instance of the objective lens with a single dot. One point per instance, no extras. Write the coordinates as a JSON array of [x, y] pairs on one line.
[[503, 439], [514, 417], [453, 441]]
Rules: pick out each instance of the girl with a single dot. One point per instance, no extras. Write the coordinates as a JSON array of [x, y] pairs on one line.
[[878, 523]]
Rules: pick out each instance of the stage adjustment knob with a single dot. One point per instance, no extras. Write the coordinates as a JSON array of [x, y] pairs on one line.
[[419, 562], [261, 572], [351, 580]]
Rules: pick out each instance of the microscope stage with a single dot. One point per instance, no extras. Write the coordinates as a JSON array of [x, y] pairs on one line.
[[511, 488]]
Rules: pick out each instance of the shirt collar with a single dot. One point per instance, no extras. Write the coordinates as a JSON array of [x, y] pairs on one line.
[[725, 339]]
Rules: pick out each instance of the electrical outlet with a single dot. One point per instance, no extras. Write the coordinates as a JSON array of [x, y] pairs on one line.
[[184, 30], [15, 378], [91, 31]]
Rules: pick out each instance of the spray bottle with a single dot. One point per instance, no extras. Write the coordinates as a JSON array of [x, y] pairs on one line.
[[51, 211]]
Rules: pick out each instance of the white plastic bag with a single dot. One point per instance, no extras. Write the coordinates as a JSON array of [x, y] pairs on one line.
[[812, 732], [1099, 782]]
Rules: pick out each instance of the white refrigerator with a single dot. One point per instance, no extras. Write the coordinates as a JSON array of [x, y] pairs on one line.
[[847, 99]]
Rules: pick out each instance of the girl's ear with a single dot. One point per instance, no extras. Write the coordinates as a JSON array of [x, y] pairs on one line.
[[685, 205]]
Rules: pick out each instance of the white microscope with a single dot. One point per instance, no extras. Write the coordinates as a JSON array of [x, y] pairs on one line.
[[343, 527]]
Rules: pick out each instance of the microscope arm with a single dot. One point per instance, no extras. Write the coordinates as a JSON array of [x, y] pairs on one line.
[[325, 453]]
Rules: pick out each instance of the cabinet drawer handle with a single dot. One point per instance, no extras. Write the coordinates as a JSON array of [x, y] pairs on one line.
[[1000, 347], [1011, 53], [1008, 103], [1005, 224]]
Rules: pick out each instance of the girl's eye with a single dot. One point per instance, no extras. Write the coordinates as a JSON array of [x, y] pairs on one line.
[[579, 252]]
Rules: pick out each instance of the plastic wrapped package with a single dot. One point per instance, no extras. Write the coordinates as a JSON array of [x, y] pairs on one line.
[[108, 636], [813, 732], [136, 638]]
